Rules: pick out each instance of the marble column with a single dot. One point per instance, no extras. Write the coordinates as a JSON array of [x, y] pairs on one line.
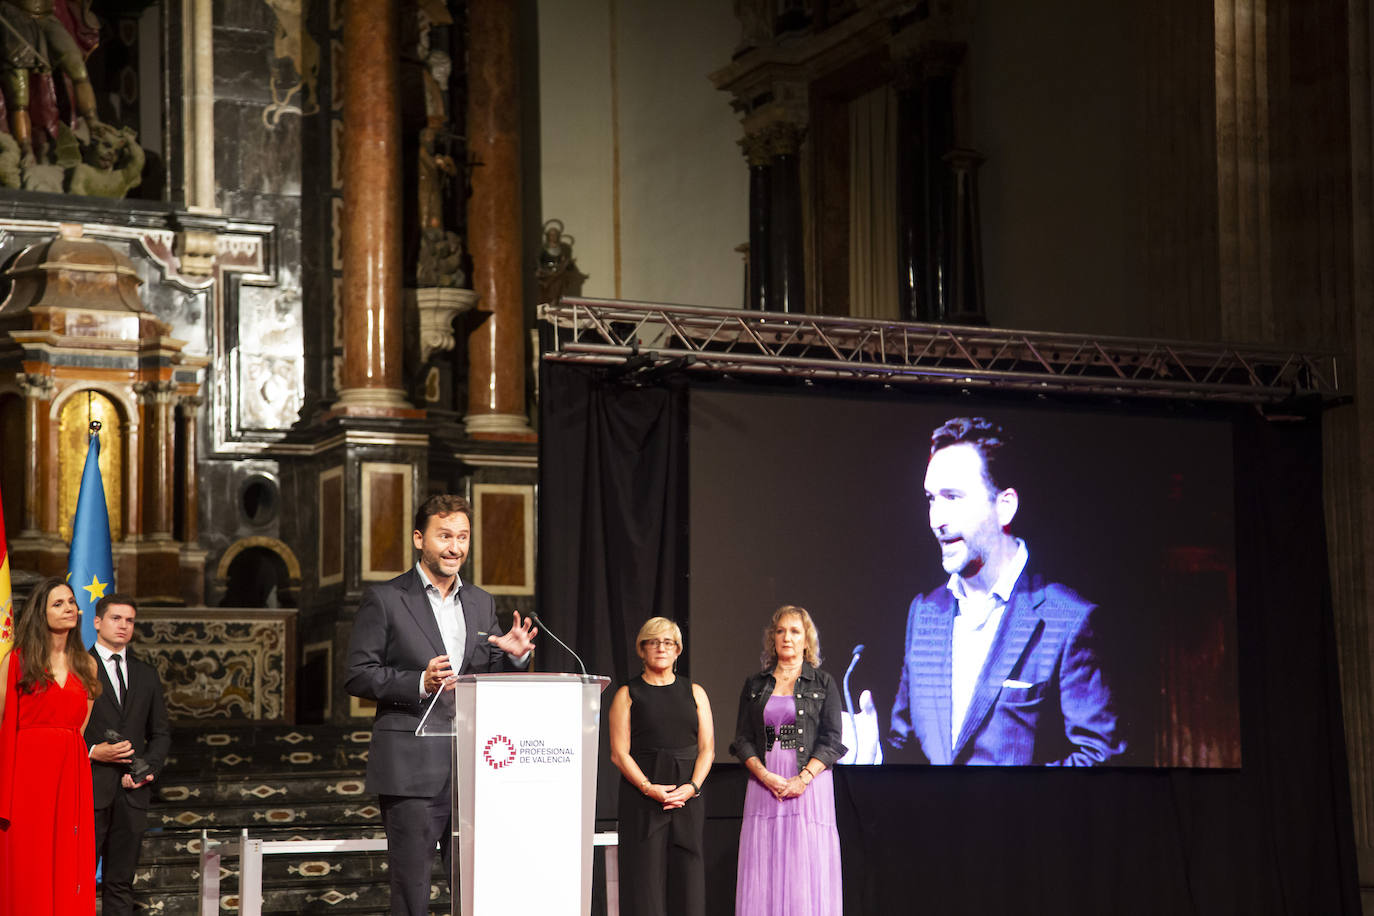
[[966, 302], [938, 130], [926, 131], [190, 509], [370, 377], [38, 391], [198, 104], [787, 273], [496, 347], [157, 399], [911, 190], [759, 156]]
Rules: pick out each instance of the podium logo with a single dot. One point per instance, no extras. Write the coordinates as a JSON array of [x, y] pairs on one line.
[[499, 751]]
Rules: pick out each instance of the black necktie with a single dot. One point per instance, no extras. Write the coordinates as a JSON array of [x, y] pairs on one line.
[[119, 674]]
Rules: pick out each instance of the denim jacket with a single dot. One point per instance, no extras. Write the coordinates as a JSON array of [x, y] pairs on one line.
[[818, 714]]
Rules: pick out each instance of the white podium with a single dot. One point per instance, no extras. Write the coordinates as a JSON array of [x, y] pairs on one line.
[[524, 790]]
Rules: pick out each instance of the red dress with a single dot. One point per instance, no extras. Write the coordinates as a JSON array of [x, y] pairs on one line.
[[47, 819]]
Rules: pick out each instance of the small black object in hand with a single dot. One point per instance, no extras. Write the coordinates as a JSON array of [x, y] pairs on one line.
[[139, 769]]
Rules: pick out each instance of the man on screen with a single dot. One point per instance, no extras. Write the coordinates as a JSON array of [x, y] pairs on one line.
[[1000, 667]]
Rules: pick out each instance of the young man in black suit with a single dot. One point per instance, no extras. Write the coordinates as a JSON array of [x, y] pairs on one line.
[[131, 703], [411, 638]]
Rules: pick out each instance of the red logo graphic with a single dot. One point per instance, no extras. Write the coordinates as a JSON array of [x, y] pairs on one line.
[[499, 752]]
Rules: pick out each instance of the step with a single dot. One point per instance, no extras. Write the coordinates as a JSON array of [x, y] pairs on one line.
[[236, 751], [180, 790], [261, 816], [184, 844]]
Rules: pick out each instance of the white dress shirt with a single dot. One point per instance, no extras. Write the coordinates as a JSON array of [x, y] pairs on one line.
[[453, 626], [105, 659], [975, 626], [448, 614]]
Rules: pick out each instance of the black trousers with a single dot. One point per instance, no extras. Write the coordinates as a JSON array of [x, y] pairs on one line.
[[118, 835], [413, 826], [662, 865]]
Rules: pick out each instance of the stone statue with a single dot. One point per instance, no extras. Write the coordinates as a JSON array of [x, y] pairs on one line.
[[112, 163], [440, 260], [42, 41], [557, 273], [40, 38], [441, 251]]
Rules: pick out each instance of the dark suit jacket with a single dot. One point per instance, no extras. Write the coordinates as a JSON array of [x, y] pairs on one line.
[[1048, 641], [394, 637], [143, 720]]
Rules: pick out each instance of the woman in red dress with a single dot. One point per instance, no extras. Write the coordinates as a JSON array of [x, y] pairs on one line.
[[47, 685]]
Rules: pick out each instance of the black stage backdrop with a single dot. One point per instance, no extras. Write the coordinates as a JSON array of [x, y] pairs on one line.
[[1273, 837]]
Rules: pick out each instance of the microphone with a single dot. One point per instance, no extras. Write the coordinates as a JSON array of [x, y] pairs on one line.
[[541, 625], [848, 701]]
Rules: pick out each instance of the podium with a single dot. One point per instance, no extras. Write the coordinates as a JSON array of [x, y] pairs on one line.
[[524, 750]]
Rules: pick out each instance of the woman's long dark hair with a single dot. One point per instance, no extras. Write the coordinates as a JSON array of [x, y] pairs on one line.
[[32, 642]]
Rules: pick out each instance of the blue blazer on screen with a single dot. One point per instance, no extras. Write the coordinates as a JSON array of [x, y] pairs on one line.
[[1041, 699]]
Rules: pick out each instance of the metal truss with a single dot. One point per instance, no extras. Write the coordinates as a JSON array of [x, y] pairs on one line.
[[646, 338]]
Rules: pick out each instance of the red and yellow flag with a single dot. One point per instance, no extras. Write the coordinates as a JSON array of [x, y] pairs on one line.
[[6, 604]]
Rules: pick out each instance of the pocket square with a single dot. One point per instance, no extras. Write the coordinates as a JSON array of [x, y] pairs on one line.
[[1016, 685]]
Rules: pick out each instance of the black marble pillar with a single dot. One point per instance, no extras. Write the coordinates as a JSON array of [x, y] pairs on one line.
[[925, 185], [966, 304], [760, 221], [938, 132], [911, 199], [787, 281]]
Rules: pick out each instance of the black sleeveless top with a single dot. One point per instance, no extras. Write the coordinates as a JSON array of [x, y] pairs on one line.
[[662, 718]]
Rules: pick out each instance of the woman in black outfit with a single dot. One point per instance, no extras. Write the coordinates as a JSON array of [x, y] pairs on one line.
[[662, 741]]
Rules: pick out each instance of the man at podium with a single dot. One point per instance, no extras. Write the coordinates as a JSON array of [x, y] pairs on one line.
[[412, 636]]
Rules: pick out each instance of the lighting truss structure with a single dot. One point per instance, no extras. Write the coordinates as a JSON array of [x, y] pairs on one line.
[[644, 339]]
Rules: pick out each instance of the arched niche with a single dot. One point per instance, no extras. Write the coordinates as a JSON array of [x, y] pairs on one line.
[[74, 416], [258, 572]]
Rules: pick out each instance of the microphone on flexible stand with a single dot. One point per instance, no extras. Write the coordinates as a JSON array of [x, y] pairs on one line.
[[541, 625], [848, 701]]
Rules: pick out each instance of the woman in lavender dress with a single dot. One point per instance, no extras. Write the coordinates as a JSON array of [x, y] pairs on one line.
[[788, 737]]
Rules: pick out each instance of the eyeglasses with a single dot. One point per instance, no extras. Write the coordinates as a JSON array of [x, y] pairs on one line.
[[656, 643]]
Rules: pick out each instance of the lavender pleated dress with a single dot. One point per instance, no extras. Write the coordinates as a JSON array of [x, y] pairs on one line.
[[789, 849]]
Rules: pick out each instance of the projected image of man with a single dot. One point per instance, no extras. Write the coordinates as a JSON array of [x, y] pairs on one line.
[[1000, 667]]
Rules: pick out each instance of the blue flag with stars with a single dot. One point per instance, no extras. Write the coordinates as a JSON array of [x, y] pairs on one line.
[[90, 566]]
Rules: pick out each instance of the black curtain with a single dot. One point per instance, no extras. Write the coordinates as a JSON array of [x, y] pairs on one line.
[[612, 522], [1273, 837]]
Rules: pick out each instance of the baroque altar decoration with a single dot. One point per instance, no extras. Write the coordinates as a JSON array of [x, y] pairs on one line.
[[51, 137]]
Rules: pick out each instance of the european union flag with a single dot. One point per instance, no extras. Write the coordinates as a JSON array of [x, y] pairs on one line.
[[90, 565]]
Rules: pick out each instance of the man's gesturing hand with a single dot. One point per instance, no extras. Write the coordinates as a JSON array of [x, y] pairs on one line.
[[519, 639]]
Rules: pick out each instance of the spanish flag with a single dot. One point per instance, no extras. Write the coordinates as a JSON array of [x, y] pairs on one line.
[[6, 602]]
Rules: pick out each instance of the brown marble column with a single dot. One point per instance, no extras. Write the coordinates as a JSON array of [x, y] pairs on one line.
[[190, 509], [157, 472], [38, 392], [370, 377], [496, 349]]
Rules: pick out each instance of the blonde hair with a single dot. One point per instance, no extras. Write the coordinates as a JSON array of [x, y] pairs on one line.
[[657, 626], [812, 652]]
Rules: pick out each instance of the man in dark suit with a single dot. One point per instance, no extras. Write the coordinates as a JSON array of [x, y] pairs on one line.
[[412, 636], [1001, 667], [130, 703]]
